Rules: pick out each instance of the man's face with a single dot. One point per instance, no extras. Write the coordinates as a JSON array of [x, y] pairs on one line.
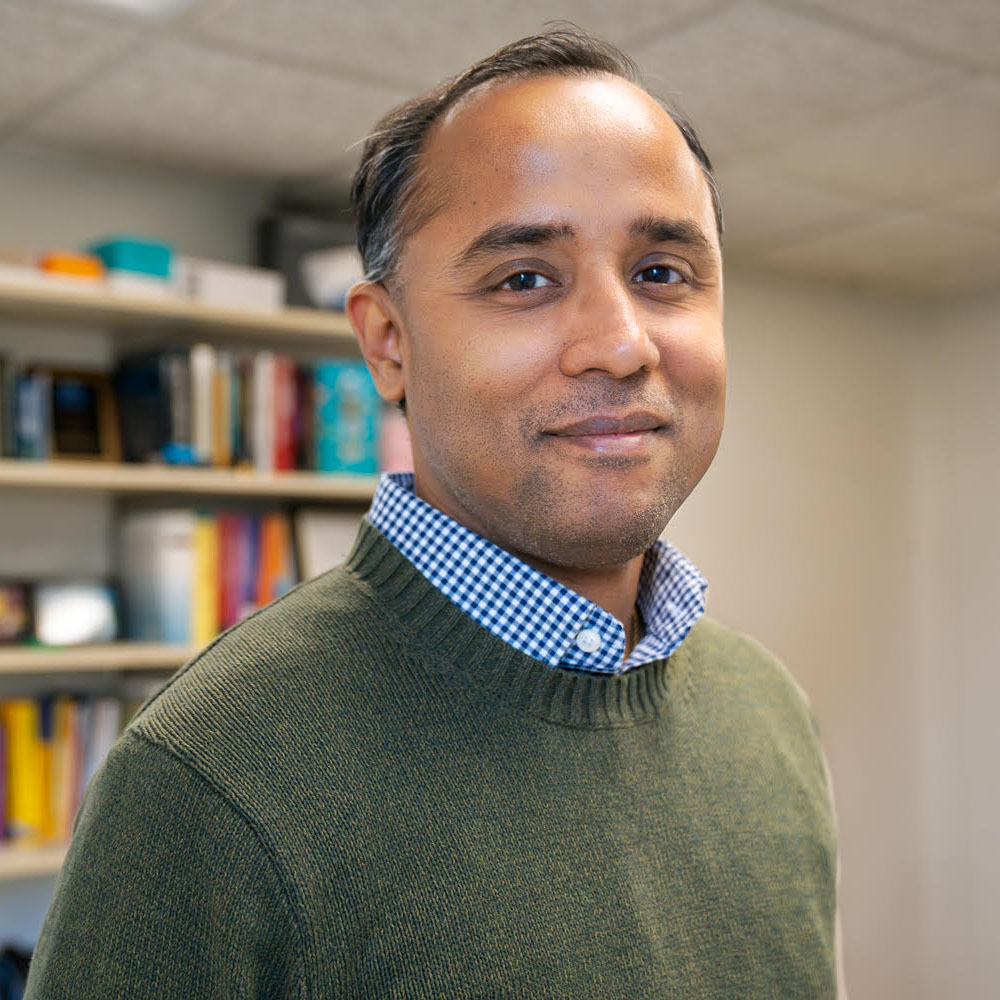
[[561, 320]]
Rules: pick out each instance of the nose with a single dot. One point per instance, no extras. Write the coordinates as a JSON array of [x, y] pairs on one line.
[[605, 332]]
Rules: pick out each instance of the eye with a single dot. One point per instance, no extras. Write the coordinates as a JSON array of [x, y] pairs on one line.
[[660, 274], [524, 281]]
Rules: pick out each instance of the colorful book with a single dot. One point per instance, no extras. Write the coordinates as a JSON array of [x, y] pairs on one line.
[[222, 401], [284, 413], [205, 604], [26, 778], [347, 417]]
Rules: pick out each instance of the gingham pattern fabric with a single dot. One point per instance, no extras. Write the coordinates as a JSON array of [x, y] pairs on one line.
[[527, 609]]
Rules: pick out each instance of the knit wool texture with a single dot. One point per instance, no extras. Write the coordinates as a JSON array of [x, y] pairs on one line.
[[358, 792]]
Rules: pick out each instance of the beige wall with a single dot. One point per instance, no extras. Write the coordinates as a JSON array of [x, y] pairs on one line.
[[850, 523], [802, 528], [859, 456], [956, 460]]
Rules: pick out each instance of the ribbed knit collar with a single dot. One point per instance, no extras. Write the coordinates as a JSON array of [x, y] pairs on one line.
[[447, 640]]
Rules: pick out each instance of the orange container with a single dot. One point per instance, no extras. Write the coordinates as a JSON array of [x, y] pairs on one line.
[[80, 265]]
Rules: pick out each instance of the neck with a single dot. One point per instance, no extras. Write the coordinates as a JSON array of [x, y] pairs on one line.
[[613, 588]]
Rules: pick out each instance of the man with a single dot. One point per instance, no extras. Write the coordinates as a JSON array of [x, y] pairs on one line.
[[501, 752]]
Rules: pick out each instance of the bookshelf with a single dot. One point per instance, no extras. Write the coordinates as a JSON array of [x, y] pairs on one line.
[[47, 300], [96, 657], [125, 478], [30, 862], [71, 308]]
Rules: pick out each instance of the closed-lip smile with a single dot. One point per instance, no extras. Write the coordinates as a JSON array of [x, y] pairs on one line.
[[604, 425]]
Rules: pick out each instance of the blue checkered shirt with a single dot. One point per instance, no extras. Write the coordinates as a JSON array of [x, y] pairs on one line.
[[527, 609]]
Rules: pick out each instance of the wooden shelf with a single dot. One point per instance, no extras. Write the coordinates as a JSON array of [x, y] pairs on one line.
[[40, 298], [26, 862], [114, 477], [93, 658]]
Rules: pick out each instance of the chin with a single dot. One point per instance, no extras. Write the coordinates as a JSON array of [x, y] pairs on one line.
[[590, 543]]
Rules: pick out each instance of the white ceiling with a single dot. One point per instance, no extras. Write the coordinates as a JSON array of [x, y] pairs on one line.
[[855, 140]]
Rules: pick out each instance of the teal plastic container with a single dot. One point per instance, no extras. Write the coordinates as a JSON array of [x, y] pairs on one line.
[[129, 253]]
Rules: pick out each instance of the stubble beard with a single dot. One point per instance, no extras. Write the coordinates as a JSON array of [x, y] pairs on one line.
[[547, 516]]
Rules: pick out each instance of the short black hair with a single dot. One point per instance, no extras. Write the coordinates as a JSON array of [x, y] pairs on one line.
[[385, 192]]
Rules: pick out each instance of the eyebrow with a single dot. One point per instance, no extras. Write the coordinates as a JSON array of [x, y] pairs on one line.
[[662, 230], [506, 235]]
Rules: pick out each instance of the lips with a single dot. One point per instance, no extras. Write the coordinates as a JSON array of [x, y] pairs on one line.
[[607, 424]]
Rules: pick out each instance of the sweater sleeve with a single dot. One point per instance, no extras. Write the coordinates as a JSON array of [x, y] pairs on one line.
[[166, 891]]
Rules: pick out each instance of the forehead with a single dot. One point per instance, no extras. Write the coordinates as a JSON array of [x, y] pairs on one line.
[[560, 137]]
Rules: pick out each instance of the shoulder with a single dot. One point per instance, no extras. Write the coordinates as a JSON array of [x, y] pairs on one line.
[[251, 700], [733, 672], [727, 653]]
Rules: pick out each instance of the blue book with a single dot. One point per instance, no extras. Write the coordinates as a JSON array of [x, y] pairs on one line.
[[34, 415], [347, 415]]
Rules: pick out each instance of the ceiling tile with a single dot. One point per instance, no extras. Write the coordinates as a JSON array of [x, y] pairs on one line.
[[424, 44], [43, 51], [939, 146], [914, 253], [763, 205], [968, 30], [185, 106], [754, 76]]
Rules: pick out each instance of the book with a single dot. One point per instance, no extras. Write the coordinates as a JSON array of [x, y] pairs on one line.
[[205, 602], [153, 391], [65, 790], [202, 363], [25, 772], [8, 407], [33, 402], [276, 565], [263, 409], [347, 417], [284, 413], [156, 566], [222, 403]]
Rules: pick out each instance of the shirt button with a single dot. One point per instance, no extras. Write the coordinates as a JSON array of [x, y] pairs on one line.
[[589, 640]]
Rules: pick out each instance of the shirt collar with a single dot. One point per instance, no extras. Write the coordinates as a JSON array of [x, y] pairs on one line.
[[527, 609]]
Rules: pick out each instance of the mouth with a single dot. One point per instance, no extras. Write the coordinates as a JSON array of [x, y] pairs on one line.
[[609, 433]]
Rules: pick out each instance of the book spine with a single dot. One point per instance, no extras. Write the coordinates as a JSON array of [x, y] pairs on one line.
[[34, 417], [284, 413], [8, 408], [243, 415], [249, 560], [177, 378], [263, 411], [222, 401], [276, 565], [156, 567], [205, 606], [202, 377], [26, 787], [304, 417]]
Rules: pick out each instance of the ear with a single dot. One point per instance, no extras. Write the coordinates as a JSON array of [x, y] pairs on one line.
[[377, 325]]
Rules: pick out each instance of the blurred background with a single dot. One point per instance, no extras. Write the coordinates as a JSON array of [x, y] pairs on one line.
[[850, 519]]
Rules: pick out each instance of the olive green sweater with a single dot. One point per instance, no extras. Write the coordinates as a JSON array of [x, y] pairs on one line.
[[358, 792]]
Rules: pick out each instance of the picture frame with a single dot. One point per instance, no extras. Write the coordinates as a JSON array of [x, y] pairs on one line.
[[83, 415]]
